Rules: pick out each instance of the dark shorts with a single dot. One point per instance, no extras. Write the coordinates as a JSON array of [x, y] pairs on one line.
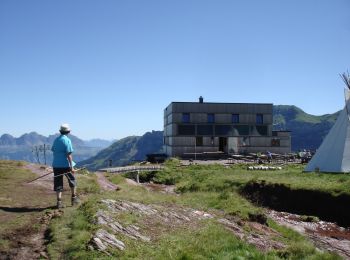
[[58, 181]]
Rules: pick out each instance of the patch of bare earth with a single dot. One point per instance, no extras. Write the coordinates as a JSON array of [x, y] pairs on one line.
[[25, 216], [154, 220], [325, 235], [170, 189], [104, 183], [29, 242]]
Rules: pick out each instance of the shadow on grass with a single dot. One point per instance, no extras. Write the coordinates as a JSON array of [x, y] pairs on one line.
[[24, 209]]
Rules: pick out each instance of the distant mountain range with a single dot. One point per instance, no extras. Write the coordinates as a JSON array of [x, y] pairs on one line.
[[307, 132], [29, 147]]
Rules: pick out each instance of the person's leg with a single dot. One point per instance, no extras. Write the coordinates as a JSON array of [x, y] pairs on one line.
[[58, 186], [74, 191], [73, 186]]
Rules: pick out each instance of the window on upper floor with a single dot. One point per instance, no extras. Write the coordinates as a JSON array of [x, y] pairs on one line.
[[185, 117], [259, 119], [211, 118], [186, 129], [223, 130], [240, 130], [235, 118], [205, 130]]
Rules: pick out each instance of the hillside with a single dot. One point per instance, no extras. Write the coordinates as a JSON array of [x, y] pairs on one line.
[[308, 131], [126, 150]]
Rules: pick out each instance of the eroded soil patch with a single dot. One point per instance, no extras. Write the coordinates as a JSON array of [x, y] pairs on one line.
[[29, 242]]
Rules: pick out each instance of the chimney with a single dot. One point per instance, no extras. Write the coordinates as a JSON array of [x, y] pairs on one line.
[[200, 99]]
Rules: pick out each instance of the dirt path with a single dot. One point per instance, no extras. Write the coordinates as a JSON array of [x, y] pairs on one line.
[[26, 215], [104, 183]]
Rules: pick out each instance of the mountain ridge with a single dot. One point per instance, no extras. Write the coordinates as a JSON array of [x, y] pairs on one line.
[[33, 138], [29, 147]]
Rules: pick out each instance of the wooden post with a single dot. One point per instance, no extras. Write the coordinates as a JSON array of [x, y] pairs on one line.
[[45, 154]]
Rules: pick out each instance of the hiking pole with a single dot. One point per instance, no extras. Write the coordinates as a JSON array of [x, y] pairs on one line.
[[83, 168], [54, 176]]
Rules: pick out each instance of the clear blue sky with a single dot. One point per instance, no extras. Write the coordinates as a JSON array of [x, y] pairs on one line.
[[109, 68]]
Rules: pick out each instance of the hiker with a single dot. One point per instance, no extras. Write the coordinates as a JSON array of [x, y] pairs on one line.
[[258, 158], [269, 156], [63, 164]]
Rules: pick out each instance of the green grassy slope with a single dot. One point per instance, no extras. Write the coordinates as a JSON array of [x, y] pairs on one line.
[[210, 188]]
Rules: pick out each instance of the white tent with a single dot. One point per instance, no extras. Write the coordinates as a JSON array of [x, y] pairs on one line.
[[334, 153]]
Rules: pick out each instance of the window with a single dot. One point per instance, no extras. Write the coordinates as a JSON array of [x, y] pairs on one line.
[[261, 129], [235, 118], [259, 119], [211, 118], [205, 130], [223, 130], [185, 117], [186, 130], [241, 130], [199, 141]]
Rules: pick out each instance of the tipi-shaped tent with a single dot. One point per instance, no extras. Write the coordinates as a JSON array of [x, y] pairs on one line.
[[334, 153]]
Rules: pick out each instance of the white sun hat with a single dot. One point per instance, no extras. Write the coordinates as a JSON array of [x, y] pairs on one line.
[[65, 128]]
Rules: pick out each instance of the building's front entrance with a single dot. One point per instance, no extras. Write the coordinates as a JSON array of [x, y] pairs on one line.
[[223, 144], [233, 144]]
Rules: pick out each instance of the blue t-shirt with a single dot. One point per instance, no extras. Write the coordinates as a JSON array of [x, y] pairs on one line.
[[62, 146]]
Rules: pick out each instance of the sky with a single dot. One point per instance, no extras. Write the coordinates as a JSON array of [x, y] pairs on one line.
[[109, 68]]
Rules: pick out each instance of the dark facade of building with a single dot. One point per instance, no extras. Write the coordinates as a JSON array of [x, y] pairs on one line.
[[229, 128]]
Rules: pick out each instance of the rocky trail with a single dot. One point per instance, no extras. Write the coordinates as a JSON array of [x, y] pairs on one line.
[[155, 219]]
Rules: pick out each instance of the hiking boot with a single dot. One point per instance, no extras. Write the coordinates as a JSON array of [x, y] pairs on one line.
[[75, 201], [59, 204]]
